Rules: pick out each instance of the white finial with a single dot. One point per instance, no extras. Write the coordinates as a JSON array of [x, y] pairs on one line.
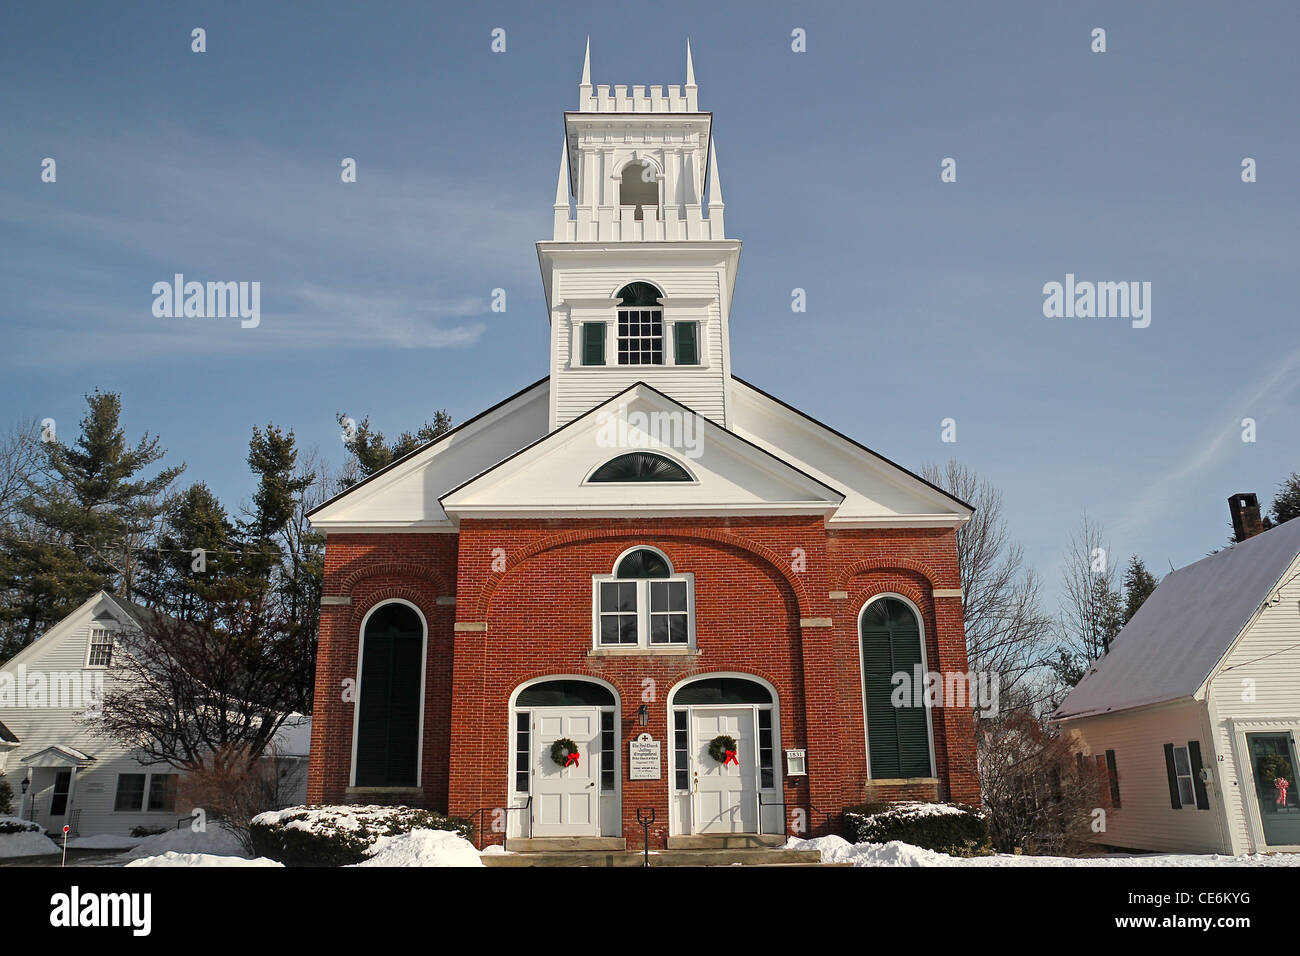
[[690, 67], [562, 184], [586, 65], [715, 184]]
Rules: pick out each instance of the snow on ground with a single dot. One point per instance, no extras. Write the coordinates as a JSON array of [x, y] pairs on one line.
[[215, 840], [423, 848], [172, 858], [838, 850], [103, 841], [29, 841]]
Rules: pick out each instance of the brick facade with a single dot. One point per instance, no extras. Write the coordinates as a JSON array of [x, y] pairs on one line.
[[775, 597]]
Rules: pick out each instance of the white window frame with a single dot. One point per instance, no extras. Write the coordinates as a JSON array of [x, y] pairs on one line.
[[96, 630], [148, 788], [1190, 776], [643, 611]]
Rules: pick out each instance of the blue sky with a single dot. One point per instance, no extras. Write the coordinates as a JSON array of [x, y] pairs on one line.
[[924, 298]]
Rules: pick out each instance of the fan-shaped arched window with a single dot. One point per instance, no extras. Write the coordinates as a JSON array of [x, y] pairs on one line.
[[898, 737], [640, 325], [644, 603], [640, 466]]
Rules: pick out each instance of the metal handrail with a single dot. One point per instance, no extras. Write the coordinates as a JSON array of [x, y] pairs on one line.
[[505, 834]]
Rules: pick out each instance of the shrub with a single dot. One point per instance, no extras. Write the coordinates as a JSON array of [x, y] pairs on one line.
[[148, 831], [339, 836], [6, 797], [952, 828], [14, 825]]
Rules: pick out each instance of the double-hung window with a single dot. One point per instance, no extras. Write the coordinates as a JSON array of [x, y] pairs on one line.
[[644, 603], [640, 325], [100, 652]]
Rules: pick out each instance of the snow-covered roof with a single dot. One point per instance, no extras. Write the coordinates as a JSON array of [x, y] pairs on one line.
[[1180, 634]]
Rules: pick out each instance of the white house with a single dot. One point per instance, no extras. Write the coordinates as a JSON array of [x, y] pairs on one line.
[[74, 776], [1196, 708]]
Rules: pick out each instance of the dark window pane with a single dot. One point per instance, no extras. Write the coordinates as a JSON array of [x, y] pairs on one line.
[[130, 791], [723, 690], [162, 791], [659, 629], [565, 693]]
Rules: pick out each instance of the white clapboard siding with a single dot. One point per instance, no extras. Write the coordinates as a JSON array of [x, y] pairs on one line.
[[700, 388], [1268, 656], [62, 650], [1146, 821]]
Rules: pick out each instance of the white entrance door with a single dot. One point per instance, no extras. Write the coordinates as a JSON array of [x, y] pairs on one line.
[[725, 796], [566, 800]]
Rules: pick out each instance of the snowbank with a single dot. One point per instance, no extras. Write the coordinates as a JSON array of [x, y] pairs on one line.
[[103, 841], [215, 840], [423, 848], [28, 841], [838, 850], [172, 858]]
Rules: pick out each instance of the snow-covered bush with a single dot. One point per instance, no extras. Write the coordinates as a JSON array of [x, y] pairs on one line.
[[341, 835], [952, 828], [15, 825]]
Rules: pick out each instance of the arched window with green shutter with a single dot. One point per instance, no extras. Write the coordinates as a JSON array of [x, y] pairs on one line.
[[898, 738], [388, 717]]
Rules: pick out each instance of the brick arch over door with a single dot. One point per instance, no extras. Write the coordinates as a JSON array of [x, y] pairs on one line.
[[767, 555]]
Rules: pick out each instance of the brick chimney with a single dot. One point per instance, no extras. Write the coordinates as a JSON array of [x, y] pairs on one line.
[[1246, 522]]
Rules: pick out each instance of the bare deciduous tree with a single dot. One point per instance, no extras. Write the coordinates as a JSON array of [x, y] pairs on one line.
[[1007, 633], [1092, 610]]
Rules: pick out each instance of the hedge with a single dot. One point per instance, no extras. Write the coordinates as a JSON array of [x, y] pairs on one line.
[[340, 836], [952, 828]]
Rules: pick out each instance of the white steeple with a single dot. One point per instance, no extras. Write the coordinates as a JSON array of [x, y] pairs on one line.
[[636, 160]]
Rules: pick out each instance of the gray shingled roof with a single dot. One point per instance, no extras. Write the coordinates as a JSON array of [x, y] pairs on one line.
[[7, 736], [1186, 626]]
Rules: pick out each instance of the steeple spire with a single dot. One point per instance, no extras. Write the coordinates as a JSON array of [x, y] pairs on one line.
[[715, 194], [562, 194], [691, 90], [584, 85]]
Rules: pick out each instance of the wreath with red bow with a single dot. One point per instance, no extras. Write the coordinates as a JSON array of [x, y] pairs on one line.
[[565, 752], [723, 749]]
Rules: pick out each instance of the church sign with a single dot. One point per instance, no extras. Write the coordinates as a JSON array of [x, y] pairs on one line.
[[643, 758]]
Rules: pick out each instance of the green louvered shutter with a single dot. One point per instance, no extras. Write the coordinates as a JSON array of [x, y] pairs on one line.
[[686, 339], [898, 737], [388, 726], [593, 343]]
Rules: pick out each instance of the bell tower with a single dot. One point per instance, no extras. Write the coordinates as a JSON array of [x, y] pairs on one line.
[[639, 273]]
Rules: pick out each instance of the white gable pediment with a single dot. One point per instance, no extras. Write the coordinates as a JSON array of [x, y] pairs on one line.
[[877, 492], [727, 474], [405, 495]]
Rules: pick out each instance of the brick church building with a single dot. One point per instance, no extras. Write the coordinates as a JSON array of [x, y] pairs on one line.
[[640, 582]]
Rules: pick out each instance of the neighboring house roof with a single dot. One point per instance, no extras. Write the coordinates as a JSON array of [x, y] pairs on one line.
[[1182, 631], [7, 737]]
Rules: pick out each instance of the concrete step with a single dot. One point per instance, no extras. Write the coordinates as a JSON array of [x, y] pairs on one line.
[[725, 841], [562, 844], [761, 856]]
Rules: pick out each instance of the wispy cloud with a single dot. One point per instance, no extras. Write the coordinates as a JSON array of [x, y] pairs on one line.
[[1258, 400], [397, 259]]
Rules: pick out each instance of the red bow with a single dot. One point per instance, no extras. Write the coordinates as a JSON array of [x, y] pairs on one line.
[[571, 758], [731, 758]]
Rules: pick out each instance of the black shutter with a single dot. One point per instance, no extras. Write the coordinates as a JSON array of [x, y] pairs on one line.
[[388, 725], [1113, 773], [898, 737], [593, 343], [684, 337], [1174, 802], [1194, 754]]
